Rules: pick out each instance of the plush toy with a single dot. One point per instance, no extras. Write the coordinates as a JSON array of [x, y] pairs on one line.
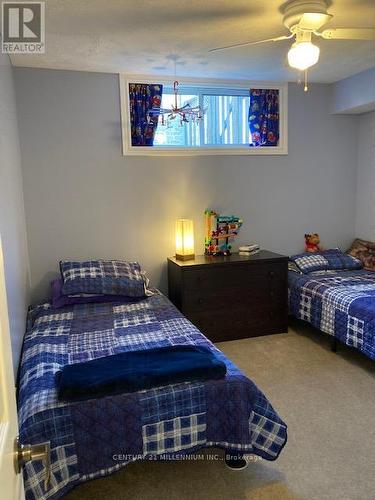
[[312, 243]]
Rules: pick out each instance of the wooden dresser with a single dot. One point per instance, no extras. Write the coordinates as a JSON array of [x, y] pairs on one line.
[[232, 297]]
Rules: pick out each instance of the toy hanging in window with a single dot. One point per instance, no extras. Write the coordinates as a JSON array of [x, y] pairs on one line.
[[219, 230]]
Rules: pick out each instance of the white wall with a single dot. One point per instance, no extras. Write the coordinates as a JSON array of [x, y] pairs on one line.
[[365, 207], [84, 199], [12, 217]]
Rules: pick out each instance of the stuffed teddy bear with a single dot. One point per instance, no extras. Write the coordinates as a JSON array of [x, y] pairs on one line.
[[312, 243]]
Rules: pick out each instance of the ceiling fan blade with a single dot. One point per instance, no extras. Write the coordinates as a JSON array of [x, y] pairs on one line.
[[313, 20], [349, 34], [276, 39]]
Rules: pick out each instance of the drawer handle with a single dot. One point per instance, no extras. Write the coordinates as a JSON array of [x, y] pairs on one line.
[[272, 293], [272, 274], [200, 300]]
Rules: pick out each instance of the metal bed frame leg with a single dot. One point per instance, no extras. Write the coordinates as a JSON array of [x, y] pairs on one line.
[[334, 345]]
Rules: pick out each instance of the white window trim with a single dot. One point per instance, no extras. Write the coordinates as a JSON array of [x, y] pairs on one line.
[[129, 150]]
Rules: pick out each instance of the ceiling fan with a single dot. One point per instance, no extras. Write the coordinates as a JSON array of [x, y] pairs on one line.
[[304, 18]]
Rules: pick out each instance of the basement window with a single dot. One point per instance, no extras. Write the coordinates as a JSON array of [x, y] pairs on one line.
[[229, 126]]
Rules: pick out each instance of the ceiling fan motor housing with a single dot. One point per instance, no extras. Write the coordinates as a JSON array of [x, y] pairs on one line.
[[295, 9]]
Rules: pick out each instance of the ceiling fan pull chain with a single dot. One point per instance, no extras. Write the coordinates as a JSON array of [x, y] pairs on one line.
[[306, 87]]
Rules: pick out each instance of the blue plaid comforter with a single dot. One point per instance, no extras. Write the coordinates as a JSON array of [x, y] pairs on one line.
[[340, 303], [93, 438]]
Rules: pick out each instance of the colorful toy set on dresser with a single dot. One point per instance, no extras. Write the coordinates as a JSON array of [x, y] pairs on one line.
[[220, 229]]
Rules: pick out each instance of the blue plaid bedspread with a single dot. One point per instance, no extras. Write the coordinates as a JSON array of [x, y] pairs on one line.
[[340, 303], [94, 438]]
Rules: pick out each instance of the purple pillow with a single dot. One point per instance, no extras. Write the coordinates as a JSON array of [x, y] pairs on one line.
[[59, 300]]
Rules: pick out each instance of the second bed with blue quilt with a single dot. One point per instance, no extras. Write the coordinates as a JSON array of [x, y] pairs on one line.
[[331, 292]]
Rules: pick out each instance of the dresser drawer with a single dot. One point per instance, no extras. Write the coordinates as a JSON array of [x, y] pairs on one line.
[[246, 277], [240, 323], [262, 296]]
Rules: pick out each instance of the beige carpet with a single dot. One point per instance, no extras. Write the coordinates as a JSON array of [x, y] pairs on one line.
[[328, 402]]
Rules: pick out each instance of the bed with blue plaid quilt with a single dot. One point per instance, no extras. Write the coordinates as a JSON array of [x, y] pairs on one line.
[[94, 438], [338, 302]]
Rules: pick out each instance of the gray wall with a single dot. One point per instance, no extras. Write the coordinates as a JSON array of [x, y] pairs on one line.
[[312, 189], [355, 94], [84, 199], [12, 217], [365, 209]]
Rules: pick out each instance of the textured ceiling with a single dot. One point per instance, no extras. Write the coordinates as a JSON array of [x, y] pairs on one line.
[[146, 36]]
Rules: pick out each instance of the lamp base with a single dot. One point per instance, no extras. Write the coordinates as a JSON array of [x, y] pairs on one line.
[[185, 257]]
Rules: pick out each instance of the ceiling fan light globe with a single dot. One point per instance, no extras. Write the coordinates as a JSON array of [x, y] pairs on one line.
[[303, 55]]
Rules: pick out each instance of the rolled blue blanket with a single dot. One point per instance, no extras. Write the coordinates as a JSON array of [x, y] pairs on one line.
[[137, 370]]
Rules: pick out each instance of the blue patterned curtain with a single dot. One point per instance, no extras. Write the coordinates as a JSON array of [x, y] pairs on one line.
[[145, 101], [264, 117]]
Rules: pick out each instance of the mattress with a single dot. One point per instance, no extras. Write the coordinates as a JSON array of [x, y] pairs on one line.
[[96, 437]]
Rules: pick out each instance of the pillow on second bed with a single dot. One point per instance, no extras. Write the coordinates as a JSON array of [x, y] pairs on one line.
[[324, 261], [107, 277]]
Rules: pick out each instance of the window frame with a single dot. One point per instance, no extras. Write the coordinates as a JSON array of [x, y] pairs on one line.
[[206, 150]]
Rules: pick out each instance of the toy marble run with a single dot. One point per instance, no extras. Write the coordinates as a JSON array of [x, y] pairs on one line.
[[219, 230]]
